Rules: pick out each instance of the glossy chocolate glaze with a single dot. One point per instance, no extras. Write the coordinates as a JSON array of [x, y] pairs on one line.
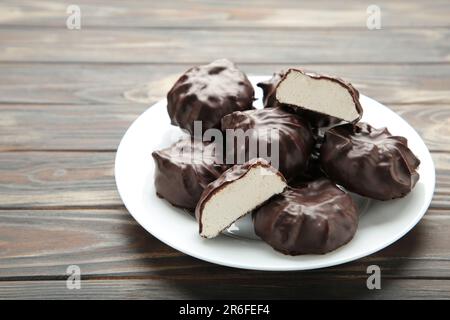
[[231, 175], [315, 218], [368, 161], [295, 138], [268, 87], [183, 171], [207, 93], [313, 170]]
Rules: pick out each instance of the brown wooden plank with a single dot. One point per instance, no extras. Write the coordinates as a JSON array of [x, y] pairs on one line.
[[100, 127], [65, 127], [432, 122], [41, 244], [286, 13], [107, 244], [59, 179], [244, 46], [124, 91], [294, 288], [145, 84], [42, 179]]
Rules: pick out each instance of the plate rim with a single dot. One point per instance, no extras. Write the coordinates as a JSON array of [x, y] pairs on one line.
[[319, 265]]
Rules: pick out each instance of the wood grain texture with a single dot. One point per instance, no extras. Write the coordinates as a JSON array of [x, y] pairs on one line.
[[128, 84], [65, 127], [35, 179], [254, 13], [41, 244], [432, 122], [242, 46], [66, 98], [112, 96], [101, 127], [291, 288]]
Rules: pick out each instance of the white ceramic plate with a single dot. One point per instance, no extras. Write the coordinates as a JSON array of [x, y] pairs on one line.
[[381, 223]]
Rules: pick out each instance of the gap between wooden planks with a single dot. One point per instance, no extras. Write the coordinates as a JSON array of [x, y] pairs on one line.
[[47, 179], [130, 84], [41, 244], [167, 289]]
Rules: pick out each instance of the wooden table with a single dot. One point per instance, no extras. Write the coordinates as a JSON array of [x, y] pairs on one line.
[[67, 97]]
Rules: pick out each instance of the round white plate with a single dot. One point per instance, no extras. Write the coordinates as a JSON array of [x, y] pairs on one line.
[[381, 223]]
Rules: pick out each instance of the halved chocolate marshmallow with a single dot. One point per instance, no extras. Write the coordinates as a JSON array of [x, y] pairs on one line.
[[235, 193], [319, 93]]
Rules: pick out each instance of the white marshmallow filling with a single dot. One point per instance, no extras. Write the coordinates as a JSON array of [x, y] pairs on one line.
[[238, 198], [317, 94]]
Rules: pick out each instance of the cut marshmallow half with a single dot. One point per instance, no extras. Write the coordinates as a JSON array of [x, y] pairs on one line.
[[235, 193], [319, 93]]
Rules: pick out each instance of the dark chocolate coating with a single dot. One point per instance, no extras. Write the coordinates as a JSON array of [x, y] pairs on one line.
[[314, 219], [183, 171], [295, 138], [319, 122], [268, 87], [316, 120], [207, 93], [368, 161], [231, 175], [312, 171]]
